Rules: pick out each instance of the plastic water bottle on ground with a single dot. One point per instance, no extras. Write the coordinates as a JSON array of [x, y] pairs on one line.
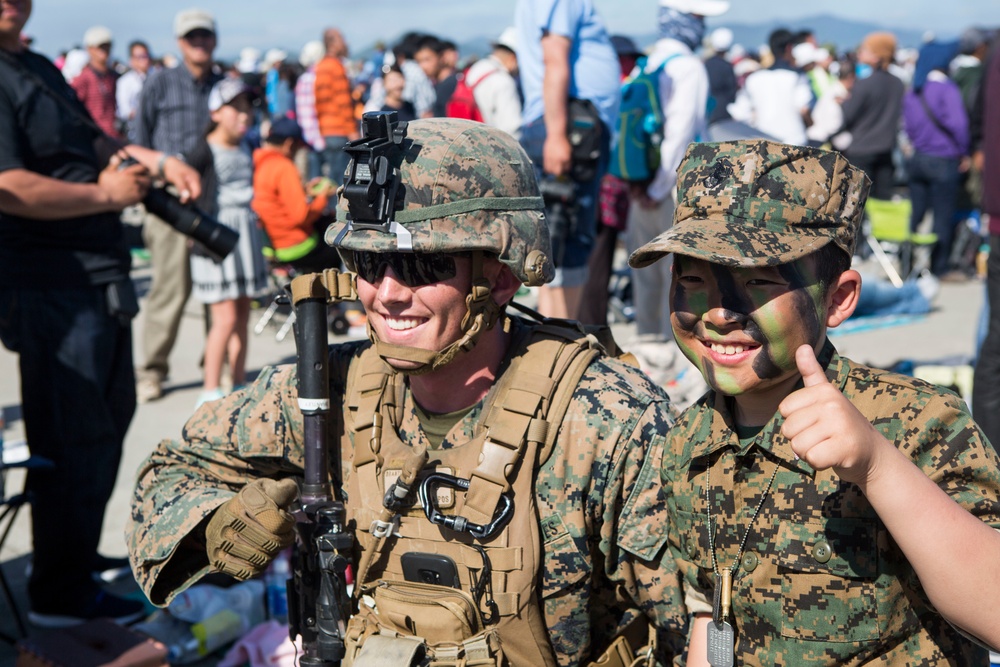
[[277, 591]]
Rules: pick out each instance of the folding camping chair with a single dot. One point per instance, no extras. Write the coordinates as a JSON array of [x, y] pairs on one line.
[[10, 508], [887, 232]]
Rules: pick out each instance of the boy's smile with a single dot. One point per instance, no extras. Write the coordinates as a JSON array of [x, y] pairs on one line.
[[741, 326]]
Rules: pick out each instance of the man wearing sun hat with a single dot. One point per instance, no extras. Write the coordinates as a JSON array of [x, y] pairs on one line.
[[829, 509], [172, 116]]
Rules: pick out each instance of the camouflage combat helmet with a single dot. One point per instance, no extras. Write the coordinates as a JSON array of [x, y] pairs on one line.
[[468, 186], [462, 186], [760, 203]]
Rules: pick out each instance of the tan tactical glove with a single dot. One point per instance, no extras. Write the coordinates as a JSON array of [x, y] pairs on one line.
[[248, 530]]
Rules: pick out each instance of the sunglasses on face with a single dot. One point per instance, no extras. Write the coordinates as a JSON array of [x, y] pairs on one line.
[[412, 269]]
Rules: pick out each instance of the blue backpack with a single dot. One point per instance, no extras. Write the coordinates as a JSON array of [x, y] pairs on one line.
[[636, 155]]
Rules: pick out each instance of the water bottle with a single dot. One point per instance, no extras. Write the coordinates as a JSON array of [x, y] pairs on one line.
[[277, 590]]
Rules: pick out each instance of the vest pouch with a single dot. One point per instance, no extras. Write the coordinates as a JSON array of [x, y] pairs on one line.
[[436, 614]]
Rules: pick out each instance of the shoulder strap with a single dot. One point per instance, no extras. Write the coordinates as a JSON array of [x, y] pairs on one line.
[[77, 110], [935, 120], [471, 85]]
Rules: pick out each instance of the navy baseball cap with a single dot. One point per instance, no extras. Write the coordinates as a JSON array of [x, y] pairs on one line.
[[286, 128]]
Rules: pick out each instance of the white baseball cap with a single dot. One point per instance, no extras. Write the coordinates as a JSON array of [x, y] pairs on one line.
[[700, 7], [804, 54], [193, 19], [96, 36], [507, 39], [721, 39], [311, 53]]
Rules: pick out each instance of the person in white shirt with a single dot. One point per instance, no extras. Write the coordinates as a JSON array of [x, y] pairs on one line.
[[494, 87], [683, 86], [130, 83], [777, 100]]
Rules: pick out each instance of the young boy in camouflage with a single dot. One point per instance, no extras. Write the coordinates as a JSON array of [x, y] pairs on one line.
[[821, 512]]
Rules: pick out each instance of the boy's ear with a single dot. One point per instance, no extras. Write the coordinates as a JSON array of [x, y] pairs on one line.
[[842, 297]]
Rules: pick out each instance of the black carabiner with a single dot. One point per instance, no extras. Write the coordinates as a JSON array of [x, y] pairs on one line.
[[484, 584], [427, 492]]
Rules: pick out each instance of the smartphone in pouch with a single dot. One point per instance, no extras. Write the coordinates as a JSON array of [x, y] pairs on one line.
[[427, 568]]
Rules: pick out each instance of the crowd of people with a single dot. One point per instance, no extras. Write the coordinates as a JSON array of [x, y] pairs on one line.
[[770, 521]]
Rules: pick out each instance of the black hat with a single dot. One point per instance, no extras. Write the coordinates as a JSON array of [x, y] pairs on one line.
[[285, 128]]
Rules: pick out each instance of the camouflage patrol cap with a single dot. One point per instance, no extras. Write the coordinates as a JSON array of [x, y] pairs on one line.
[[467, 186], [760, 203]]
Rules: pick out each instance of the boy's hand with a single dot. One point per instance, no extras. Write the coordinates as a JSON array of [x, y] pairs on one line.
[[825, 429]]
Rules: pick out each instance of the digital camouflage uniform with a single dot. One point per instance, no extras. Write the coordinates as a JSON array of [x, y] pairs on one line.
[[599, 485], [598, 497], [821, 581]]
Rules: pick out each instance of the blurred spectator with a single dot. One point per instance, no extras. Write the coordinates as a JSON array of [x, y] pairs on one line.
[[986, 142], [938, 130], [722, 84], [277, 84], [227, 287], [334, 105], [430, 56], [612, 215], [777, 100], [74, 62], [563, 53], [370, 71], [95, 85], [683, 92], [131, 82], [828, 116], [291, 218], [419, 87], [394, 84], [305, 107], [967, 73], [67, 304], [450, 56], [249, 65], [812, 60], [968, 65], [494, 86], [173, 115], [872, 112]]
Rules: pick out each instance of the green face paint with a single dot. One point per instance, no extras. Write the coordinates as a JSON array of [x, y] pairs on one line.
[[741, 327]]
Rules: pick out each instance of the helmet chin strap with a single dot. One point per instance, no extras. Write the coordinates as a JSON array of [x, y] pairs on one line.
[[482, 313]]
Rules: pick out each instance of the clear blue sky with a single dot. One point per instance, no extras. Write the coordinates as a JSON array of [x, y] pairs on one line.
[[59, 24]]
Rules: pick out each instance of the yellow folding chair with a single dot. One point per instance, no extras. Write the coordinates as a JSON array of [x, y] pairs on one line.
[[887, 232]]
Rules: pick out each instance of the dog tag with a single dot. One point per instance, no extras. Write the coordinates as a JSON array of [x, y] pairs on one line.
[[721, 645]]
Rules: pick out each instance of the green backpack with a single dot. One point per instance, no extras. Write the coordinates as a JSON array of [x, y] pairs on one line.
[[636, 155]]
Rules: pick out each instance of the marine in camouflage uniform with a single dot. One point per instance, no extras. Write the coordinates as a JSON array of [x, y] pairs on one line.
[[598, 499], [829, 570]]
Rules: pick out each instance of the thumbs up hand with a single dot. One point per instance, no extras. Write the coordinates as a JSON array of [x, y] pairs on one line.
[[825, 429]]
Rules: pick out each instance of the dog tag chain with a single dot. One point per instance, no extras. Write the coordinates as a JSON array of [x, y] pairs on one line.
[[721, 639]]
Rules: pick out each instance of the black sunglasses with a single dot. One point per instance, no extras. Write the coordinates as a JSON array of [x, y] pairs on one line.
[[411, 268]]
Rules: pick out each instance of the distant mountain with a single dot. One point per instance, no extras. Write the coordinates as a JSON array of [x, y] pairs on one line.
[[844, 34]]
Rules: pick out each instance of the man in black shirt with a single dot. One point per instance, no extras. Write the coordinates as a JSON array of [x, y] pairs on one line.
[[66, 303]]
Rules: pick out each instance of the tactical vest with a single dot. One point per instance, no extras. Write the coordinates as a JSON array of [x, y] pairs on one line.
[[398, 620]]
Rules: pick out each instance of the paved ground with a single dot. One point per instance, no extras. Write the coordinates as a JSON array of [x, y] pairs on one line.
[[945, 334]]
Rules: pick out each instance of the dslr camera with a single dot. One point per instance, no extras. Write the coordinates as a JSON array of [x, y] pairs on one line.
[[217, 239]]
